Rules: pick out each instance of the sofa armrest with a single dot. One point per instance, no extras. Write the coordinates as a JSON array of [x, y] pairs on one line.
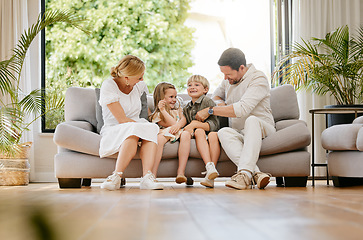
[[358, 120], [80, 124], [294, 137], [360, 140], [77, 136], [287, 123], [341, 137]]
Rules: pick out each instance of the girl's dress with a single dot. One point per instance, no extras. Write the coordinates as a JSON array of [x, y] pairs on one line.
[[114, 133], [175, 113]]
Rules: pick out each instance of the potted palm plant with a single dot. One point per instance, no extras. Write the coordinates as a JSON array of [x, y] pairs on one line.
[[332, 65], [19, 107]]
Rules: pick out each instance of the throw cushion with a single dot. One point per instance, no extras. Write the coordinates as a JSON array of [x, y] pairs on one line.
[[98, 111], [144, 113]]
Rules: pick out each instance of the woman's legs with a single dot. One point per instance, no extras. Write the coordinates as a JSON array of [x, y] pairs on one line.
[[127, 151], [147, 154], [183, 151], [159, 152]]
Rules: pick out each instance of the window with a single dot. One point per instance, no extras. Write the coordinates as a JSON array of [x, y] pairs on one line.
[[176, 38]]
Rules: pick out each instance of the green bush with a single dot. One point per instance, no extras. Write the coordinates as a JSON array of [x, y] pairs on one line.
[[153, 30]]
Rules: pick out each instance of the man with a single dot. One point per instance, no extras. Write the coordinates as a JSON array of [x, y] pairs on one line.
[[244, 97]]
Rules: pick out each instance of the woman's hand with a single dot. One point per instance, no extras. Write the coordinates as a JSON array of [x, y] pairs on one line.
[[161, 105]]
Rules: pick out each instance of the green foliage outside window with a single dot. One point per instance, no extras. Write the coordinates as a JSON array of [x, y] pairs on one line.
[[153, 30]]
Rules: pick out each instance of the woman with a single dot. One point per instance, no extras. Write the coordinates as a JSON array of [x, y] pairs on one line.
[[123, 129]]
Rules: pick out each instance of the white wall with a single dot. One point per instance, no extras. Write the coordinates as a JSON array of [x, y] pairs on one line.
[[43, 151]]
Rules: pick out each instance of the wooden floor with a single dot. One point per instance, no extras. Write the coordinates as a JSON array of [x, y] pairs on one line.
[[179, 212]]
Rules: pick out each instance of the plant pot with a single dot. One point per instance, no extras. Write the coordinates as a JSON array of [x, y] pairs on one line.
[[14, 170], [344, 118]]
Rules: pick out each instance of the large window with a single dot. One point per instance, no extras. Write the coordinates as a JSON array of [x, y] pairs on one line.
[[176, 38]]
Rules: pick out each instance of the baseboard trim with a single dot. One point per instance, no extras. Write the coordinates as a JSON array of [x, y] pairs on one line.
[[43, 177]]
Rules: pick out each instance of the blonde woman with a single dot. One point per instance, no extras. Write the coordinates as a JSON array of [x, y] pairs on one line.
[[123, 129]]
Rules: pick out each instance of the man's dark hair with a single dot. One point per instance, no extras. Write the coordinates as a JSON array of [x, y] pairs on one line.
[[232, 57]]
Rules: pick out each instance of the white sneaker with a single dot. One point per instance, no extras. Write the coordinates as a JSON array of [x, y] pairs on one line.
[[207, 182], [112, 182], [149, 182], [211, 171]]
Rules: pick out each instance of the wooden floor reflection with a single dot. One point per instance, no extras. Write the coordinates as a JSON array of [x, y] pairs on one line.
[[180, 212]]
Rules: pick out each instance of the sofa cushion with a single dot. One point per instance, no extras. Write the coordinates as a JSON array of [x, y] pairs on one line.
[[358, 120], [286, 140], [341, 137], [80, 105], [284, 103], [360, 140], [99, 117], [71, 136], [287, 123], [144, 106]]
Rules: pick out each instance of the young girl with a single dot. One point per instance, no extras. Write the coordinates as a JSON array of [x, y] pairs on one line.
[[167, 114]]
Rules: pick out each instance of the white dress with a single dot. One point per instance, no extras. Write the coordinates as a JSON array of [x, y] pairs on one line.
[[113, 133]]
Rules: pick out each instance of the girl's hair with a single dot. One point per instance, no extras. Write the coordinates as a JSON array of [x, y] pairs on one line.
[[159, 94], [128, 66], [199, 79]]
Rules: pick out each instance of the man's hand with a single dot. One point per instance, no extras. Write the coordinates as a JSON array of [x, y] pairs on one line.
[[202, 115]]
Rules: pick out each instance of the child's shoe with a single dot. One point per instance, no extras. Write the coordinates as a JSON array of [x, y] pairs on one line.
[[180, 179], [207, 182], [211, 171], [149, 182], [112, 182]]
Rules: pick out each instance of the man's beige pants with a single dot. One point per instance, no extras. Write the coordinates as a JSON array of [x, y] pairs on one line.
[[243, 148]]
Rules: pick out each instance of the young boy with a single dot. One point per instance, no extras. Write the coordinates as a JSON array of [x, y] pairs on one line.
[[208, 147]]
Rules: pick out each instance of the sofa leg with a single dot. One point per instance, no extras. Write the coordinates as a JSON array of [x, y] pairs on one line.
[[295, 181], [70, 182], [280, 182], [86, 182], [346, 181], [190, 181], [123, 182]]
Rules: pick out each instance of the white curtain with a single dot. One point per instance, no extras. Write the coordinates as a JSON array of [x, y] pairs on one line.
[[14, 20], [315, 18], [13, 23]]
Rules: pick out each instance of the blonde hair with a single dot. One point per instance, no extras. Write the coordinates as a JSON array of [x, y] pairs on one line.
[[128, 66], [159, 94], [199, 79]]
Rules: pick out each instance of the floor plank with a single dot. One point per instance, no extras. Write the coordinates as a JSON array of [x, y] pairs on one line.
[[180, 212]]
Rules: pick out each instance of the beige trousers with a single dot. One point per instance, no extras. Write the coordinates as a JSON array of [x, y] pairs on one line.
[[243, 148]]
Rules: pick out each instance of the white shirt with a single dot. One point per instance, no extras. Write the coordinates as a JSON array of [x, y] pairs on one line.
[[249, 97]]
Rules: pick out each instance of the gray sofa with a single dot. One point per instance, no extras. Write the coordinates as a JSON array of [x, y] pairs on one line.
[[345, 157], [283, 154]]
